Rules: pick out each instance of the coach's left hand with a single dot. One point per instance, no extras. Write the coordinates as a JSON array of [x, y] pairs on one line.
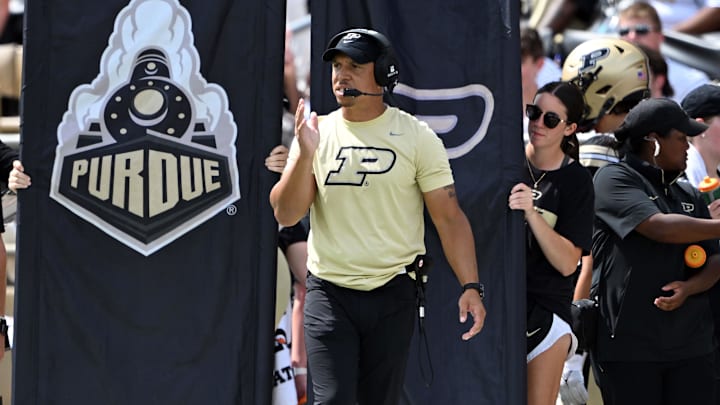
[[471, 302]]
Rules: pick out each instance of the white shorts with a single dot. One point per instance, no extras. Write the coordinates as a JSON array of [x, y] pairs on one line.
[[558, 329]]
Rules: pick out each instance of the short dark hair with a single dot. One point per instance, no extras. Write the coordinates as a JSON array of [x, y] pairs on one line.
[[531, 44], [642, 9], [658, 66]]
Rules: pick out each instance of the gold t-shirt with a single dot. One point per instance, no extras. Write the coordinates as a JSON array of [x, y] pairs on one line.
[[366, 222]]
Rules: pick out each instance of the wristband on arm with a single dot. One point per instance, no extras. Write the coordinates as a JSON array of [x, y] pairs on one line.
[[479, 287]]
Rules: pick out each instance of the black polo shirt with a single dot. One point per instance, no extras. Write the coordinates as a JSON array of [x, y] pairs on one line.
[[631, 269], [566, 202]]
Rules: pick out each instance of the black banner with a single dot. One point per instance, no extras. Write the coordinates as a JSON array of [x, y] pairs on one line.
[[146, 246], [460, 72]]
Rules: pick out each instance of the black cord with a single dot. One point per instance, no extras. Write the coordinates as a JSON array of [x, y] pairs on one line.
[[420, 281], [421, 267]]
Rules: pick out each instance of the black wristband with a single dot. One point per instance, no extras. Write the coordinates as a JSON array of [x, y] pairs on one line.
[[479, 287]]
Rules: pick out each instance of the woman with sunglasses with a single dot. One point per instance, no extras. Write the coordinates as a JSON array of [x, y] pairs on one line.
[[557, 199]]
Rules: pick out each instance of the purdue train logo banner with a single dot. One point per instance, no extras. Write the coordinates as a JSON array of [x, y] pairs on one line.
[[146, 152]]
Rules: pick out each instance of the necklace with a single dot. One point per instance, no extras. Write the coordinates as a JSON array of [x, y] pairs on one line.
[[532, 176]]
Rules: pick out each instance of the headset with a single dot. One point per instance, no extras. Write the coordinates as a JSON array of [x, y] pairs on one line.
[[386, 66]]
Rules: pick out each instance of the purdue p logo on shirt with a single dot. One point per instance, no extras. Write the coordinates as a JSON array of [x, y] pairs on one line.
[[355, 163]]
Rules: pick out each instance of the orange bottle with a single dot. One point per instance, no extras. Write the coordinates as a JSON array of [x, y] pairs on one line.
[[695, 256], [710, 189]]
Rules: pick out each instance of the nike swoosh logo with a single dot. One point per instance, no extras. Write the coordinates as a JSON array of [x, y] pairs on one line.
[[529, 334], [653, 198], [394, 134]]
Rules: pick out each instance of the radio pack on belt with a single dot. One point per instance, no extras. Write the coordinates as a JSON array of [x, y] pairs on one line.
[[419, 270]]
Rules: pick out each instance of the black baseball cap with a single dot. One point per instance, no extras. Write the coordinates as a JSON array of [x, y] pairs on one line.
[[657, 115], [703, 101], [359, 47]]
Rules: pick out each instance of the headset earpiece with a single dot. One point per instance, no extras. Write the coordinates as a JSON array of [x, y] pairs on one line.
[[386, 69], [656, 151]]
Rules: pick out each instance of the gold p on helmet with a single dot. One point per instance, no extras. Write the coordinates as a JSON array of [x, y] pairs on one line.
[[607, 70]]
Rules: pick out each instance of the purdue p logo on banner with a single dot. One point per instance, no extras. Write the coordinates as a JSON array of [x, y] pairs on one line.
[[146, 152]]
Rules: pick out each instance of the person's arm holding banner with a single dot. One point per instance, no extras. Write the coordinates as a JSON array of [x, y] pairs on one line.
[[8, 158], [18, 179], [292, 196], [277, 159]]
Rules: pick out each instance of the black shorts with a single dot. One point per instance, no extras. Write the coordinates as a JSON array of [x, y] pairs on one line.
[[292, 234], [539, 322], [544, 329]]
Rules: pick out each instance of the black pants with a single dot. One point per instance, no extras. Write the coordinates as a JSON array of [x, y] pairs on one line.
[[688, 381], [358, 341]]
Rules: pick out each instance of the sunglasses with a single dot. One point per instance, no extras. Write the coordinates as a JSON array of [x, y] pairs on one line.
[[550, 119], [640, 30]]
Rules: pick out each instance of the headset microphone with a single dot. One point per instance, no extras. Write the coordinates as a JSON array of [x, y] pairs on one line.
[[356, 93]]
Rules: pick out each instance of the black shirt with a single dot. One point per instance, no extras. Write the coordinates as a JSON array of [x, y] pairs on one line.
[[630, 269], [566, 203]]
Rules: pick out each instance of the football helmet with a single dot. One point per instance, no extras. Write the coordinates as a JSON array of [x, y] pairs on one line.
[[607, 70]]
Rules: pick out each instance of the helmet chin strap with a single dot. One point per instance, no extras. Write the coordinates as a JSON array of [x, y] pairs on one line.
[[590, 124]]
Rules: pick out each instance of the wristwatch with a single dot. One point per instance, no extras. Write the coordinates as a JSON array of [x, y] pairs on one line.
[[479, 287]]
